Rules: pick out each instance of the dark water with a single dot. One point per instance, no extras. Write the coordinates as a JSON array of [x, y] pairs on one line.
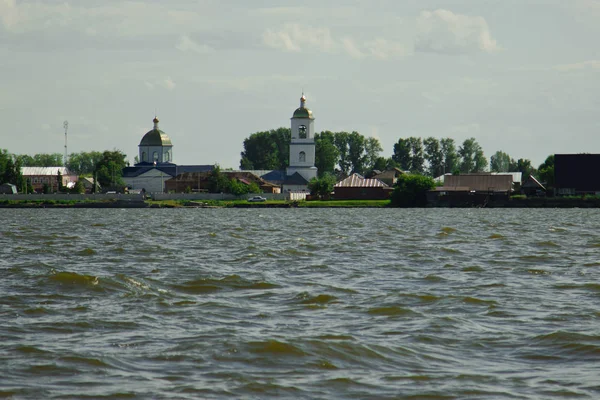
[[300, 304]]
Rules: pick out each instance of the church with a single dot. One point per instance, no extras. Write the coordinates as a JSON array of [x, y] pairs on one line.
[[155, 166]]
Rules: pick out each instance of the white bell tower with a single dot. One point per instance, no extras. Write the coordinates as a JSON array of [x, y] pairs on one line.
[[302, 145]]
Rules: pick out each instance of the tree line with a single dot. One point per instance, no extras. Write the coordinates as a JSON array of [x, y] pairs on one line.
[[344, 153]]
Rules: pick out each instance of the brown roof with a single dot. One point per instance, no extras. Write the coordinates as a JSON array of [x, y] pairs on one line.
[[479, 182]]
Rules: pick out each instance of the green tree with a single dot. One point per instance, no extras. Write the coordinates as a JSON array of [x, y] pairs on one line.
[[323, 186], [356, 152], [471, 157], [266, 150], [434, 156], [59, 180], [525, 168], [218, 182], [451, 161], [10, 169], [384, 164], [500, 162], [78, 188], [109, 169], [341, 141], [84, 163], [546, 171], [417, 156], [372, 150], [326, 153], [402, 154], [411, 190], [42, 160]]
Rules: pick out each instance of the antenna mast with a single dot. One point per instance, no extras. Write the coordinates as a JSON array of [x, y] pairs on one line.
[[66, 126]]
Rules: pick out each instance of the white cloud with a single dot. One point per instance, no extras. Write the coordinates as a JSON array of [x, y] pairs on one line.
[[295, 38], [591, 64], [186, 44], [442, 31]]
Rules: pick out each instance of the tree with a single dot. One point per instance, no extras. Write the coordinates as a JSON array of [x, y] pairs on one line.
[[266, 150], [402, 154], [546, 171], [417, 161], [372, 150], [411, 190], [383, 164], [217, 181], [500, 162], [356, 152], [84, 163], [341, 140], [323, 186], [434, 156], [78, 188], [326, 153], [450, 156], [42, 160], [472, 158], [109, 169], [59, 180], [10, 169], [525, 168]]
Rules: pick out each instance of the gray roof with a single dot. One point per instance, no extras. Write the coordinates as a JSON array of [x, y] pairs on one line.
[[44, 171], [357, 180]]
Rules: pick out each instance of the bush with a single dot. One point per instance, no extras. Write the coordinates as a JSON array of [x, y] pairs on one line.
[[411, 190]]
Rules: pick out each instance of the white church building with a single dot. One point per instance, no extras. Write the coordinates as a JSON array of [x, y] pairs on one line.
[[301, 167]]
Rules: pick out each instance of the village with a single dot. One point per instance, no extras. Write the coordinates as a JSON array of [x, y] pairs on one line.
[[155, 175]]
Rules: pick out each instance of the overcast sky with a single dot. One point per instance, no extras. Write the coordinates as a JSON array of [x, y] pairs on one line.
[[521, 76]]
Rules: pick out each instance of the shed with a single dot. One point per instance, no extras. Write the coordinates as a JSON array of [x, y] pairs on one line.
[[356, 187]]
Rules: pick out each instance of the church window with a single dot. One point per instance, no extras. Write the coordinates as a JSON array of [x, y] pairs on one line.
[[168, 157], [302, 157], [155, 156], [302, 131], [144, 157]]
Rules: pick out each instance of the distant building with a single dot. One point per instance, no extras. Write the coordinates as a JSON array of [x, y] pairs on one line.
[[356, 187], [199, 181], [575, 174], [472, 189], [301, 167], [156, 166], [40, 176], [8, 188]]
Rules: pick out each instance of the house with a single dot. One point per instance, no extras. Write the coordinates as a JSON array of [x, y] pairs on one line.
[[8, 188], [40, 176], [532, 187], [472, 189], [199, 181], [389, 177], [575, 174], [356, 187]]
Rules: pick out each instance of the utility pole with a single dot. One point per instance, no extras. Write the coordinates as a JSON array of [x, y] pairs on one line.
[[66, 126]]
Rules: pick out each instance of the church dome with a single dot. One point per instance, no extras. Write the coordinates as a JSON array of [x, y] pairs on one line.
[[156, 137], [302, 111]]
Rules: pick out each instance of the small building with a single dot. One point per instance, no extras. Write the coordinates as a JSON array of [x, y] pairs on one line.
[[8, 188], [199, 181], [532, 187], [40, 176], [575, 174], [356, 187], [389, 177], [472, 189]]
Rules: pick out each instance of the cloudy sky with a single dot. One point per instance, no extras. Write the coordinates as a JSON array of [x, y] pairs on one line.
[[521, 76]]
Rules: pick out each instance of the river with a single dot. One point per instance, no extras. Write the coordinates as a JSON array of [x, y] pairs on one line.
[[300, 303]]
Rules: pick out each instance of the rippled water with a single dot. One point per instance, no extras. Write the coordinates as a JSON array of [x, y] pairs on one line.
[[297, 303]]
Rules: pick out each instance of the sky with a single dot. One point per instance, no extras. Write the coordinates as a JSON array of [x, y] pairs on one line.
[[520, 76]]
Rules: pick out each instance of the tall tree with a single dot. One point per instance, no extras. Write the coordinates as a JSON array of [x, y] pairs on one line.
[[266, 150], [84, 163], [109, 169], [434, 156], [525, 168], [500, 162], [326, 153], [451, 161], [472, 158], [546, 171], [356, 152], [402, 154], [372, 150], [42, 160], [341, 141], [417, 156]]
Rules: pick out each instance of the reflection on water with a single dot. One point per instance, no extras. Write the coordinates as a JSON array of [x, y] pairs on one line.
[[296, 303]]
